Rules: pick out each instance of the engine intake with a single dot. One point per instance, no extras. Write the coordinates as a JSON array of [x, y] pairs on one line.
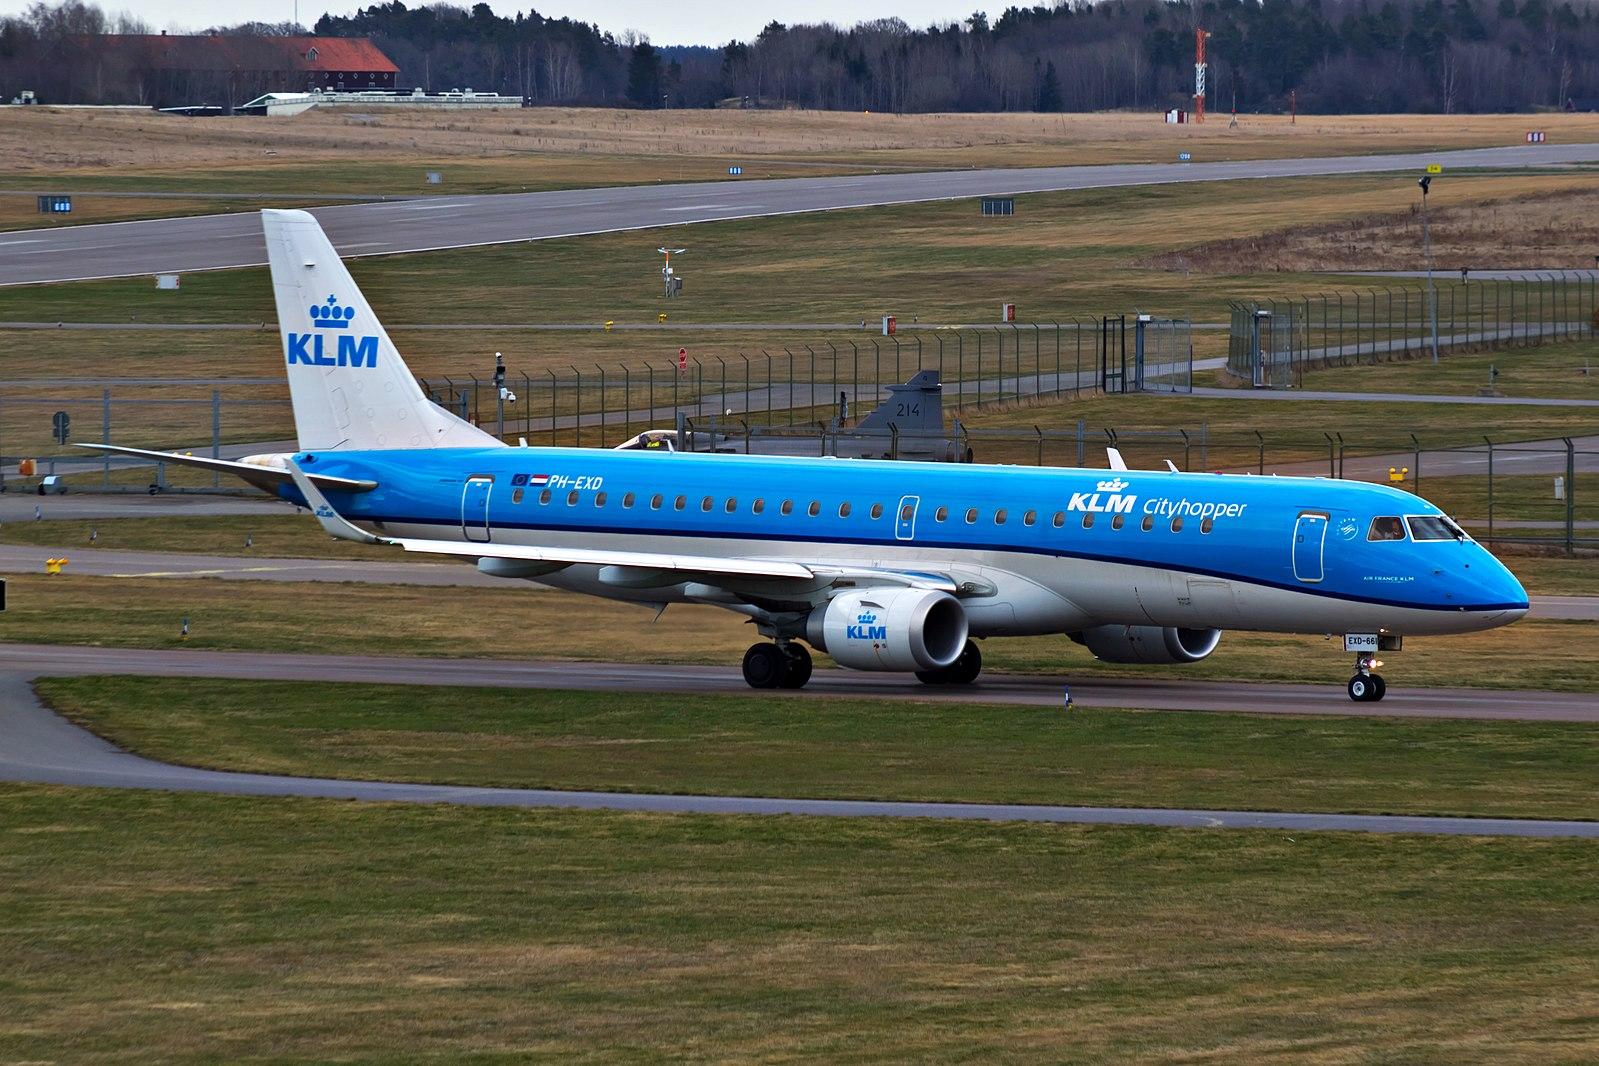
[[1148, 644], [890, 629]]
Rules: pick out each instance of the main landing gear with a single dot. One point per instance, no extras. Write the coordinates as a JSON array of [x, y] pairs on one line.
[[786, 665], [1365, 686], [963, 671]]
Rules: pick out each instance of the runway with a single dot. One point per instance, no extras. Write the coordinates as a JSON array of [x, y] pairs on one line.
[[213, 242], [38, 746], [111, 562]]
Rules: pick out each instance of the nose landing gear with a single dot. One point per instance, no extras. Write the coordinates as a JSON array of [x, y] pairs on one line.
[[1365, 686]]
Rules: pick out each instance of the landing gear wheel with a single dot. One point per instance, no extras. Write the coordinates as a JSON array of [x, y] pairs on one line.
[[765, 666], [798, 668], [1367, 688], [963, 671]]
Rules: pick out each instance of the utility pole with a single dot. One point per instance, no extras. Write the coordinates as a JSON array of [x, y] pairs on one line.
[[1425, 181]]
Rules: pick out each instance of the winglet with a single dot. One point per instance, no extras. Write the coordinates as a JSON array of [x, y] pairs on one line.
[[331, 520], [1116, 460]]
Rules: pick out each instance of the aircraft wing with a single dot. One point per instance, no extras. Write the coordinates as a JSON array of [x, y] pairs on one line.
[[714, 567], [263, 477]]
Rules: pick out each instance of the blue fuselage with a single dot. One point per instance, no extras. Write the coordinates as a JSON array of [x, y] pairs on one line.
[[1292, 544]]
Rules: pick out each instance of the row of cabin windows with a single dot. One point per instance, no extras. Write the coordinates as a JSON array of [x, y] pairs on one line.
[[907, 512]]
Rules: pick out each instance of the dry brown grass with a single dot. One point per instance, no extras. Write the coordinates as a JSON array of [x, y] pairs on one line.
[[46, 140], [1532, 230]]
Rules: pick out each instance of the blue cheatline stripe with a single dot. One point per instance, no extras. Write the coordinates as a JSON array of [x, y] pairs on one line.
[[635, 530]]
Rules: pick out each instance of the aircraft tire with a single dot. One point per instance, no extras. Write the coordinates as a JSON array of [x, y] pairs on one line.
[[963, 671], [1379, 687], [1362, 689], [798, 670], [765, 666]]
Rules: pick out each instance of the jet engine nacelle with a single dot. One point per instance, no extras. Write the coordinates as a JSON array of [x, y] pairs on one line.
[[1148, 644], [890, 629]]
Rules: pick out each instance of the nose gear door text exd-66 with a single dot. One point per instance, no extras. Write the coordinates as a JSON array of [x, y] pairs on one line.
[[475, 508], [1310, 538]]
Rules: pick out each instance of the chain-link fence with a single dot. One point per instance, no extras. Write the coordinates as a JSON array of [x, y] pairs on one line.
[[1272, 342], [797, 386]]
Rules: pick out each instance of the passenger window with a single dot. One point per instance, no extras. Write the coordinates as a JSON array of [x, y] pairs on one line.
[[1207, 525], [877, 511], [1029, 518], [516, 495], [1059, 519], [1088, 520], [844, 509], [907, 513], [599, 499], [971, 515], [1177, 525], [680, 503], [788, 507], [544, 497], [941, 514], [571, 498], [999, 517], [1386, 528], [655, 502], [1118, 521], [1434, 527], [758, 506], [1147, 524], [706, 503], [627, 501], [731, 506], [814, 509]]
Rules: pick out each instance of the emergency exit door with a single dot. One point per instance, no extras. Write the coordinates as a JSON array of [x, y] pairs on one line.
[[905, 518]]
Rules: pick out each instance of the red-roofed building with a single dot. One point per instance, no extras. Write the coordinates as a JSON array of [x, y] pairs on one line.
[[167, 70]]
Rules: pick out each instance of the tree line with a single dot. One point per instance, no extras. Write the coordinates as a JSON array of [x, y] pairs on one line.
[[1442, 56]]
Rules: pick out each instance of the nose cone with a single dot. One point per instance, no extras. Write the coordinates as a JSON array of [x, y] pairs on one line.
[[1499, 588]]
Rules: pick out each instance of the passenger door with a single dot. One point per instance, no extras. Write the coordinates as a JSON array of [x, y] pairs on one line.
[[475, 507], [1310, 539]]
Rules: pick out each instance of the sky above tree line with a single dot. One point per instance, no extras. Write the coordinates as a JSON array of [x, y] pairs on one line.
[[710, 22]]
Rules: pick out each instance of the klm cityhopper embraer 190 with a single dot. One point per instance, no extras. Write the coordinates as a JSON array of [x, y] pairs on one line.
[[884, 565]]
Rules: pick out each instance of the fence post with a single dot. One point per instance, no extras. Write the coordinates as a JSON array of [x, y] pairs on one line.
[[627, 402], [1571, 495], [1415, 470], [105, 434], [1261, 442], [1040, 445], [577, 418], [1082, 443], [601, 370], [554, 388]]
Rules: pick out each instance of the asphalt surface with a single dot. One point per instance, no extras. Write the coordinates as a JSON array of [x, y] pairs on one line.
[[212, 242], [106, 562], [38, 746]]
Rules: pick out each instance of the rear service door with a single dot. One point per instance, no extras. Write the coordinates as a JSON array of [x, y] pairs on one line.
[[475, 507], [1310, 539], [905, 518]]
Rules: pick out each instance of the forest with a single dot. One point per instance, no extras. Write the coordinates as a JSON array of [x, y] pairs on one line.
[[1330, 56]]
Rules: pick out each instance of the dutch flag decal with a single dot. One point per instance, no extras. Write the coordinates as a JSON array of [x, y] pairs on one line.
[[538, 479]]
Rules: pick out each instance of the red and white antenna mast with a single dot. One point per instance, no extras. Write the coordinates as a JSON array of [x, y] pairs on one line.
[[1200, 69]]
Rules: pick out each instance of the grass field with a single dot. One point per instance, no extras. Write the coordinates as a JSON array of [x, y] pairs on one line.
[[153, 927], [1564, 371], [550, 147], [525, 622], [845, 749]]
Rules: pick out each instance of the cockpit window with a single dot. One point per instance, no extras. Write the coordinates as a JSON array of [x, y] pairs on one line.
[[1434, 527], [1386, 528]]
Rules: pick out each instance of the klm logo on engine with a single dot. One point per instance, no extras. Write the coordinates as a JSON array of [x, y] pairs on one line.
[[865, 628], [312, 349], [1108, 498]]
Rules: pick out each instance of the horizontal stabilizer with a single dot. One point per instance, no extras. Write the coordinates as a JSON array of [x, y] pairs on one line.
[[267, 478]]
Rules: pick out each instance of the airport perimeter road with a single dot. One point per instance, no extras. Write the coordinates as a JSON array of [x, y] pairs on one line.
[[212, 242], [1177, 695], [103, 562], [19, 506], [36, 745]]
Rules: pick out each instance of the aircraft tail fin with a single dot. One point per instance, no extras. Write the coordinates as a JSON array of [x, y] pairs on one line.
[[349, 386], [914, 408]]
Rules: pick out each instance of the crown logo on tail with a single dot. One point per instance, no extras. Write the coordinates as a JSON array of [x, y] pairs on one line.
[[1113, 485], [330, 315]]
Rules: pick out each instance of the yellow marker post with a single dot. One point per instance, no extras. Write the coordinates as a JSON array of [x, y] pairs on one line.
[[608, 324], [1435, 168]]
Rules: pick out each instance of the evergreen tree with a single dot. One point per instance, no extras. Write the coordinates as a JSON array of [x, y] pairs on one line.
[[644, 76]]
